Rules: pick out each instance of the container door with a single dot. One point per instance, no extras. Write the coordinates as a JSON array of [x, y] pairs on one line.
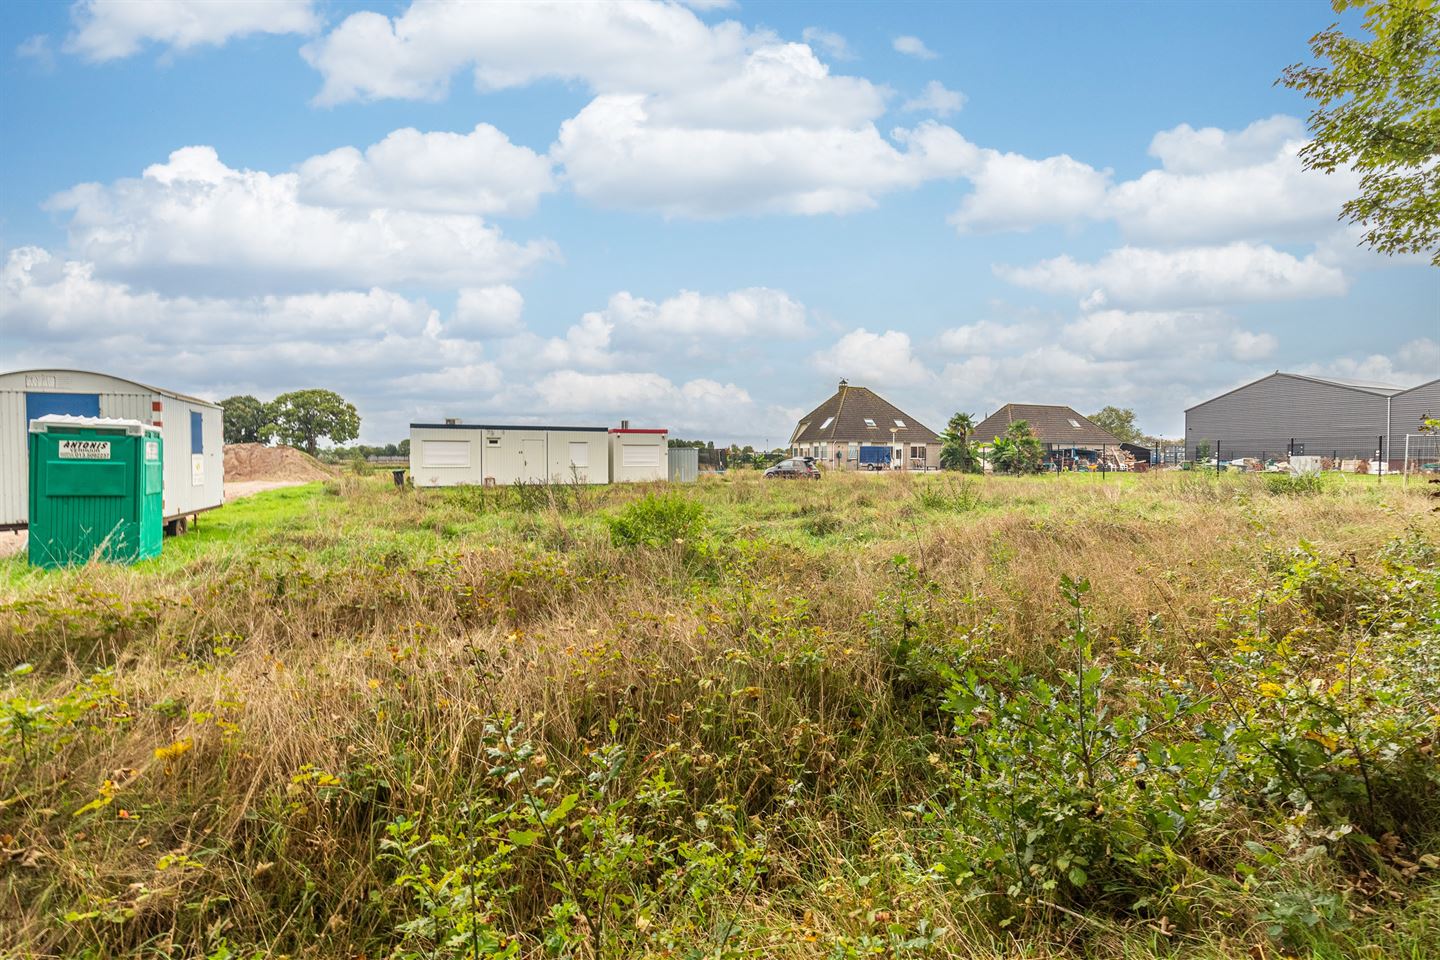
[[532, 459]]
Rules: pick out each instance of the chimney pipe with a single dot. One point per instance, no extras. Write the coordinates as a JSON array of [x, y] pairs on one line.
[[624, 424], [451, 421]]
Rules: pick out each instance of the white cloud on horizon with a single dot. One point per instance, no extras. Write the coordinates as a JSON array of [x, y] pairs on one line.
[[1137, 277]]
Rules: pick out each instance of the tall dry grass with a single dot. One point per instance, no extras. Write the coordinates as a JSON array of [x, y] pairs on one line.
[[369, 634]]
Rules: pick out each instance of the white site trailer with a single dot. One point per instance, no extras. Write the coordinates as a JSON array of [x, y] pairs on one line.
[[638, 455], [193, 430], [454, 453]]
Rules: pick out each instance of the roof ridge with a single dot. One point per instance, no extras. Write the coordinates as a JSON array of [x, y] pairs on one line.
[[839, 408]]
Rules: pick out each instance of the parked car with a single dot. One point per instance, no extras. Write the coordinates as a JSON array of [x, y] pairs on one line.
[[796, 468]]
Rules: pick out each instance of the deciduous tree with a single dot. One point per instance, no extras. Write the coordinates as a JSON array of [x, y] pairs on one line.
[[1119, 422], [302, 417], [1377, 110], [245, 418]]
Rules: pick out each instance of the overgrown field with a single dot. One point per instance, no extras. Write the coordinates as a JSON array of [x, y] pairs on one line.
[[1166, 715]]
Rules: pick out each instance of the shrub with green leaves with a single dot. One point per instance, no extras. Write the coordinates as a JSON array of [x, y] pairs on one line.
[[1294, 485], [657, 520]]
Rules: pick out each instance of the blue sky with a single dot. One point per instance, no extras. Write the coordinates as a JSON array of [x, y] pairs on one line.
[[695, 217]]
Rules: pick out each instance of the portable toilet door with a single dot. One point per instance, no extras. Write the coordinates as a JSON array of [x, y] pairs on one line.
[[96, 490]]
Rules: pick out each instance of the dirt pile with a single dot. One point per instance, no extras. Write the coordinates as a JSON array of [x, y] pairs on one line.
[[245, 462]]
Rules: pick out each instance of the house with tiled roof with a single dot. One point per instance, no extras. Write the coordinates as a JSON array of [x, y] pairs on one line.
[[1067, 436], [856, 426]]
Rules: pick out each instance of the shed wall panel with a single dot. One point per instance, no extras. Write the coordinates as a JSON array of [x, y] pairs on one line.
[[1260, 419], [1406, 412], [684, 464]]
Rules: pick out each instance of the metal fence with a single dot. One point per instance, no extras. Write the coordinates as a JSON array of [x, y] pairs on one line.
[[1350, 453]]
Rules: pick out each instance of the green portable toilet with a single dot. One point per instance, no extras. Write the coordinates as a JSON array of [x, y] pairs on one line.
[[96, 488]]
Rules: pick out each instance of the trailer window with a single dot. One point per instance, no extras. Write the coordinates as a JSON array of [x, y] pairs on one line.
[[579, 453], [639, 455], [445, 453], [197, 433]]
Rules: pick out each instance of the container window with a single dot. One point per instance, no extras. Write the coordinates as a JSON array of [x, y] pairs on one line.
[[197, 433], [579, 453], [38, 405], [445, 453], [639, 455]]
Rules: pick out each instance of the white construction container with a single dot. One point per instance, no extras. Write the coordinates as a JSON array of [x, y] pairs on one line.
[[451, 454], [638, 455], [193, 430]]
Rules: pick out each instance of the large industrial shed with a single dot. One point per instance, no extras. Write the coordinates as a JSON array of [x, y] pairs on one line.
[[453, 453], [1290, 413], [193, 430]]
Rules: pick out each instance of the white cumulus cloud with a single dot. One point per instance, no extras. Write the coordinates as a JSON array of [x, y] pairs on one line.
[[479, 172], [487, 312], [688, 119], [883, 358], [231, 229], [1188, 277], [1015, 192], [113, 29]]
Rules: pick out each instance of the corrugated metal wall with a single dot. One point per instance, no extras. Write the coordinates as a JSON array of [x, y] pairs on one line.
[[684, 464], [1406, 411], [1261, 418]]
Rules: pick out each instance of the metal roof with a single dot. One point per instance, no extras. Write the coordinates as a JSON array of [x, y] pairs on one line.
[[1362, 386], [172, 394], [505, 426]]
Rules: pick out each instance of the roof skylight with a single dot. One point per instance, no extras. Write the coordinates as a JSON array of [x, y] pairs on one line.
[[869, 422], [828, 421]]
